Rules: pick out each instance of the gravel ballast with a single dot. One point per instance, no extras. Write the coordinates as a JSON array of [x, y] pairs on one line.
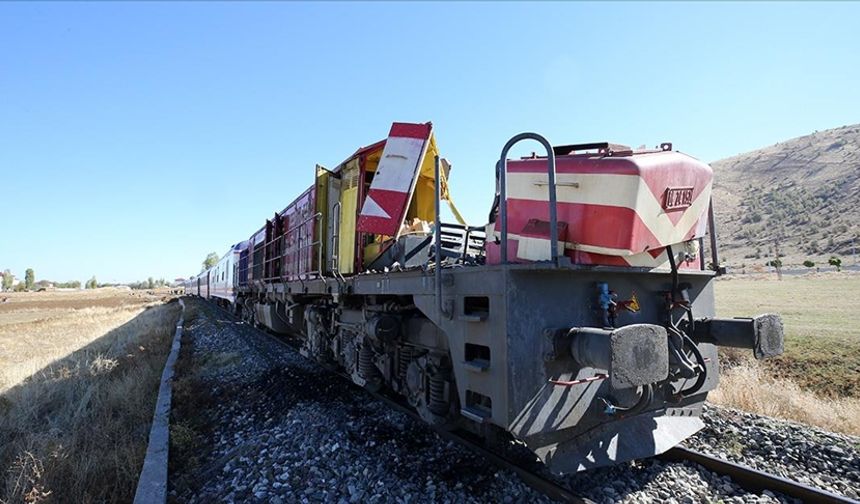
[[281, 429], [794, 451], [285, 430]]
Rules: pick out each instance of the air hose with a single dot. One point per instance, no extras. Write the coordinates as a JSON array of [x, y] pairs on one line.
[[645, 398], [700, 360], [685, 339]]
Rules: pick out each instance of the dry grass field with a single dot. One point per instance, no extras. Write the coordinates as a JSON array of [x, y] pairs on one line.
[[817, 379], [79, 374]]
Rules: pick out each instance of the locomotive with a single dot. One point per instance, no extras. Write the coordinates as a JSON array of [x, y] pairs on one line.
[[580, 320]]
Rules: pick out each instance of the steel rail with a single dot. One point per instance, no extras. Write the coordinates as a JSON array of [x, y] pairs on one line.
[[754, 480]]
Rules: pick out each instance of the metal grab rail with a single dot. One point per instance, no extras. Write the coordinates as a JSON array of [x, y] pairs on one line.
[[299, 247], [445, 312], [335, 236], [503, 195], [437, 246]]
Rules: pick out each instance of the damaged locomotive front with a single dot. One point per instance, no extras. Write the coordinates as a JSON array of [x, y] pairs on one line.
[[580, 320]]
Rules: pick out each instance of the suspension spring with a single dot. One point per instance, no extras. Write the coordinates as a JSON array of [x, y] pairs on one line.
[[438, 403], [403, 360], [366, 367]]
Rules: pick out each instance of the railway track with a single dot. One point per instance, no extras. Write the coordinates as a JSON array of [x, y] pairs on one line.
[[748, 478], [754, 480]]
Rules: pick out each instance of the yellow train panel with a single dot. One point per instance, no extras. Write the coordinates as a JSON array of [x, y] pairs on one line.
[[348, 207], [321, 230]]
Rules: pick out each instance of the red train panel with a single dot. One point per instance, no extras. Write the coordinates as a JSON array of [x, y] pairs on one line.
[[620, 210]]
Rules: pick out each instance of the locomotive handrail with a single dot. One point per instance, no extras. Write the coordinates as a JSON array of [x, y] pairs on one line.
[[503, 195], [319, 244], [437, 246], [335, 235], [298, 247]]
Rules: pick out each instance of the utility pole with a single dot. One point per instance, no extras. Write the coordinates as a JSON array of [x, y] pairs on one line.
[[854, 248], [778, 262]]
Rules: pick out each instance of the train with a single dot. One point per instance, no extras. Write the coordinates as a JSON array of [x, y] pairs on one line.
[[579, 321]]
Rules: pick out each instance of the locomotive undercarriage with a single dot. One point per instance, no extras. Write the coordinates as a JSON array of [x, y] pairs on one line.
[[523, 350], [379, 343], [384, 344]]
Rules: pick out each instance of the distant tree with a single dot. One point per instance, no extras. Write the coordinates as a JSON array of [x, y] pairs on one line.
[[7, 280], [74, 284], [776, 263], [808, 263], [29, 278], [835, 261], [150, 283], [92, 283], [20, 287], [211, 260]]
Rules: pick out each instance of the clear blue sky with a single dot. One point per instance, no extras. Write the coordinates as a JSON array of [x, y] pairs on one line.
[[136, 138]]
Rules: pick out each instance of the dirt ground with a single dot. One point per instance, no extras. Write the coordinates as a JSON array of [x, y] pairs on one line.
[[107, 297], [37, 328]]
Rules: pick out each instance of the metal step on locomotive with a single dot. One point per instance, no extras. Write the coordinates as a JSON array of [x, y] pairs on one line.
[[580, 320]]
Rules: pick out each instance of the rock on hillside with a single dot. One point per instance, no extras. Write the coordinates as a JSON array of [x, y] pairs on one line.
[[802, 195]]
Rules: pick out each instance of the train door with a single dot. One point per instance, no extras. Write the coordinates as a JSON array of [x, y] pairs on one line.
[[350, 178], [332, 222], [228, 276], [321, 227], [234, 274], [208, 281]]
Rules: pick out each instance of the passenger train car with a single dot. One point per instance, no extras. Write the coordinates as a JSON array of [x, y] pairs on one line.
[[580, 320]]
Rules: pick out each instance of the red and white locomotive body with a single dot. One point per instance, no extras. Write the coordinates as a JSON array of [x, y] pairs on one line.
[[615, 208]]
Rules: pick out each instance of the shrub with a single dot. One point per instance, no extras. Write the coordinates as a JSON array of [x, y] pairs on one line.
[[835, 261], [7, 280]]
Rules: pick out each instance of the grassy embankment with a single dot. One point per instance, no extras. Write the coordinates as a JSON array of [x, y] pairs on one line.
[[79, 374], [817, 379]]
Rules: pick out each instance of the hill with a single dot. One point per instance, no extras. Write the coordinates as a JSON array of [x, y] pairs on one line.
[[801, 195]]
